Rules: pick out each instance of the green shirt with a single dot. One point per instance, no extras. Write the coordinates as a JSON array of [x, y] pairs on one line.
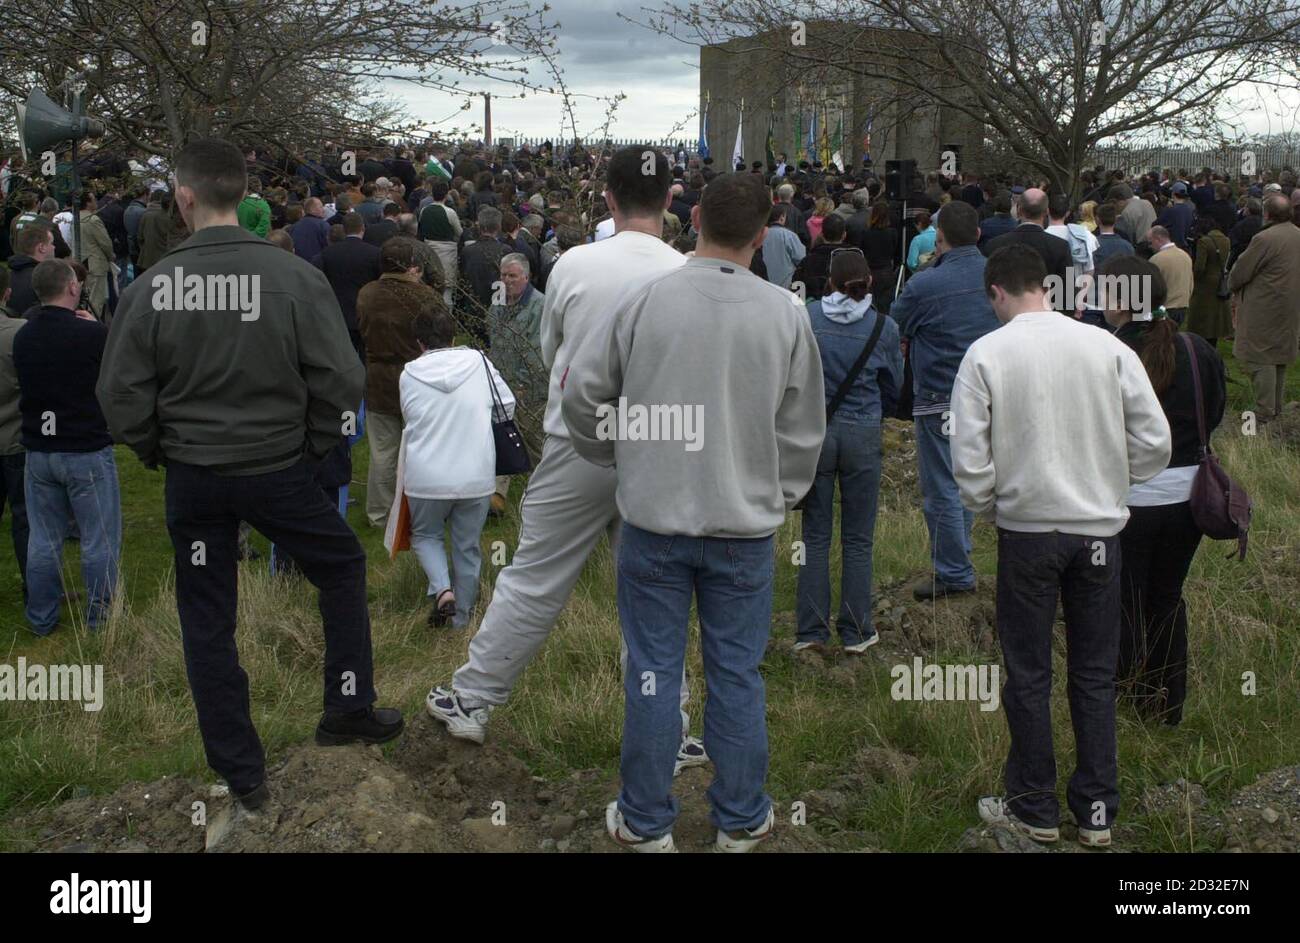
[[255, 215]]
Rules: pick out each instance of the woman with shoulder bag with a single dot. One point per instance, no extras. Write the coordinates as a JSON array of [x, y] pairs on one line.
[[1210, 312], [862, 368], [1160, 538]]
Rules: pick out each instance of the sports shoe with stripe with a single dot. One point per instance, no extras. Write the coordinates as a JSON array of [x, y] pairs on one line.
[[461, 722], [747, 839], [618, 830]]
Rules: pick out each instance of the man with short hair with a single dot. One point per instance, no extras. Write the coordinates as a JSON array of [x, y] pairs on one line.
[[1178, 216], [439, 226], [1032, 232], [1109, 242], [379, 233], [999, 223], [1136, 215], [350, 264], [371, 208], [781, 250], [1053, 421], [1266, 293], [69, 466], [795, 220], [481, 265], [691, 526], [941, 312], [515, 333], [814, 268], [32, 246], [1176, 267], [311, 234], [254, 213], [569, 502], [239, 397], [97, 254]]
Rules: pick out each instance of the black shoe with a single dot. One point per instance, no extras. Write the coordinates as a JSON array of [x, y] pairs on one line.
[[372, 725], [930, 588], [255, 798]]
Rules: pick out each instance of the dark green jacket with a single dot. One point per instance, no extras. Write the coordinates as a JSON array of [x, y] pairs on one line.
[[240, 391]]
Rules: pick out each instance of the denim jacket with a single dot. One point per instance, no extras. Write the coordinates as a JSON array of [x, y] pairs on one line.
[[842, 326], [942, 311]]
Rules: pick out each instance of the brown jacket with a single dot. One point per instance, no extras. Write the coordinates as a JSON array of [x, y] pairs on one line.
[[1266, 286], [385, 309]]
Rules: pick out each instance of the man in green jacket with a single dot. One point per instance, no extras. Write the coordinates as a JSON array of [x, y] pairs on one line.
[[254, 212], [230, 365]]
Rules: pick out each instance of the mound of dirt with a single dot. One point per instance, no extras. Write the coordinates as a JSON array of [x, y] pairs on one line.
[[1264, 816], [428, 792]]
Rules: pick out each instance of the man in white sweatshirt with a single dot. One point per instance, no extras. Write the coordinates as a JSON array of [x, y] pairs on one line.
[[1053, 420], [569, 502]]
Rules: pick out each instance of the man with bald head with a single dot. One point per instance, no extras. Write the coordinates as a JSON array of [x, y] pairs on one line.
[[311, 234], [1265, 283], [1032, 232]]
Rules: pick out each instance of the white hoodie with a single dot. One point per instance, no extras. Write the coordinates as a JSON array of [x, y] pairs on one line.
[[447, 448]]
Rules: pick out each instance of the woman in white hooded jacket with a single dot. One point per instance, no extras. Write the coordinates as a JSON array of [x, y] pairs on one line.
[[447, 462]]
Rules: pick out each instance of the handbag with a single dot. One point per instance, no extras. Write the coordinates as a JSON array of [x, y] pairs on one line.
[[512, 454], [1220, 507], [847, 384]]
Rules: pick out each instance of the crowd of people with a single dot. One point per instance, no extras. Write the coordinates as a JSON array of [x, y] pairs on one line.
[[1053, 356]]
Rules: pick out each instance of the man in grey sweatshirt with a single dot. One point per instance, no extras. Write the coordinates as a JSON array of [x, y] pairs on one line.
[[706, 391]]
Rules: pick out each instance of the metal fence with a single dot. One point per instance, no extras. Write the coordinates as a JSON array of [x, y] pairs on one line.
[[591, 143], [1237, 159]]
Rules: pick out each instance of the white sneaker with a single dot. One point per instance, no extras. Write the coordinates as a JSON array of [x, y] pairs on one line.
[[994, 811], [444, 706], [809, 647], [629, 839], [737, 843], [862, 646], [690, 753], [1094, 837]]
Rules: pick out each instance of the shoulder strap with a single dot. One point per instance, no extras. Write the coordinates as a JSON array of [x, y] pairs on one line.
[[498, 407], [1196, 382], [851, 377]]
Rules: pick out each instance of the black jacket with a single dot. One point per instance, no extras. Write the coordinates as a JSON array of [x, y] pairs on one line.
[[1054, 250], [237, 391], [1179, 400], [57, 357], [114, 216], [379, 233], [349, 264], [20, 284], [815, 268], [481, 262]]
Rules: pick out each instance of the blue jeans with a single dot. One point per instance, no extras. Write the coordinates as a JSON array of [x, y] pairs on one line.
[[948, 522], [429, 517], [83, 485], [731, 580], [850, 452]]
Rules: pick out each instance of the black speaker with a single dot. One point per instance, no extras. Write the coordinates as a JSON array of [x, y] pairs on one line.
[[898, 178], [43, 123]]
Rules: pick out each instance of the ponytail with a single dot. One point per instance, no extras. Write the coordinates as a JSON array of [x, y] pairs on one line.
[[1158, 353]]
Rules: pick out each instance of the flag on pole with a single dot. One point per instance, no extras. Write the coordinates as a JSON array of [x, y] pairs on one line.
[[704, 130], [738, 152], [837, 143], [866, 138], [824, 144], [798, 150], [770, 148], [810, 151]]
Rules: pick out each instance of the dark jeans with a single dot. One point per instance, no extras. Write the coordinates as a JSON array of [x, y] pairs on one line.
[[290, 509], [1033, 571], [1158, 545], [851, 453], [11, 490]]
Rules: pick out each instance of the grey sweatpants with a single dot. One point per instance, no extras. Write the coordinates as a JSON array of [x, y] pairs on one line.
[[568, 504]]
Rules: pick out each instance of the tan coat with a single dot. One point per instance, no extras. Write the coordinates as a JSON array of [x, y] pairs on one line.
[[1176, 267], [1266, 287]]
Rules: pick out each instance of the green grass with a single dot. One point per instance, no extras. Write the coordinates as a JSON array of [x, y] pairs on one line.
[[567, 711]]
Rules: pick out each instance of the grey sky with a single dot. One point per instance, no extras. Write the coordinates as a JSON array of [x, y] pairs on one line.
[[601, 55]]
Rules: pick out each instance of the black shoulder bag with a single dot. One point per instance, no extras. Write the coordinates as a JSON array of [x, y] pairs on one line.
[[512, 455], [847, 384]]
